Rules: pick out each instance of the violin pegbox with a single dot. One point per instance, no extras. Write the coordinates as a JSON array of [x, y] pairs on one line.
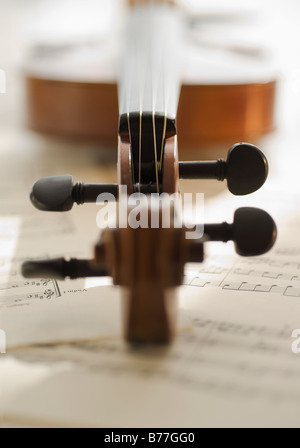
[[148, 263]]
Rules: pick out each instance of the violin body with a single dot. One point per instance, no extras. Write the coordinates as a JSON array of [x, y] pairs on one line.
[[224, 96], [207, 113]]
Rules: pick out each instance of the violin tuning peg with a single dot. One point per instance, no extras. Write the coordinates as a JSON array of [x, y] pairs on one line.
[[253, 231], [58, 193], [53, 193], [246, 169], [59, 269]]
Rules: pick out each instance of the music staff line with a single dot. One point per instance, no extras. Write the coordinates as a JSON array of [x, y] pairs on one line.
[[13, 285], [289, 290], [251, 272], [271, 262]]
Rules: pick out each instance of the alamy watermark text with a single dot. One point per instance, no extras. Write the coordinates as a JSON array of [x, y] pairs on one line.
[[296, 342], [166, 210]]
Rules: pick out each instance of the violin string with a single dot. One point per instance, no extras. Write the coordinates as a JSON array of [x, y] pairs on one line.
[[141, 84], [164, 45], [155, 152], [140, 150], [136, 83], [127, 86], [167, 82], [154, 59], [130, 141], [163, 141], [150, 49]]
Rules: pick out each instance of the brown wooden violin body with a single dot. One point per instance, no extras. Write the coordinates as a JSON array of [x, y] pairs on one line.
[[77, 96], [206, 113]]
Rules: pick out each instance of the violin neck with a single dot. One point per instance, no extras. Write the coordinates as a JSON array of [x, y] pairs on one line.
[[149, 88], [149, 84]]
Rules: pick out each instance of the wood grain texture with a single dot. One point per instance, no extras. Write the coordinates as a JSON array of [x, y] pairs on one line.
[[206, 113]]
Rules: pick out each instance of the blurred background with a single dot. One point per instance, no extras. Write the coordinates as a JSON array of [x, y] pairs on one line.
[[78, 40], [37, 32]]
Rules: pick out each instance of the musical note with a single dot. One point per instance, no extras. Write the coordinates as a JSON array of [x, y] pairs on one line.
[[21, 291]]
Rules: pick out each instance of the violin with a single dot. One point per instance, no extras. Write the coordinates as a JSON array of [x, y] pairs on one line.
[[73, 93], [147, 247]]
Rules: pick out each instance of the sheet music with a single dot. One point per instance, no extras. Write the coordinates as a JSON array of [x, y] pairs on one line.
[[231, 363], [228, 366], [26, 233]]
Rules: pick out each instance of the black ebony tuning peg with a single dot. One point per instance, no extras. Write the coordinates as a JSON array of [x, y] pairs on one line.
[[245, 169], [253, 231], [58, 193], [59, 269]]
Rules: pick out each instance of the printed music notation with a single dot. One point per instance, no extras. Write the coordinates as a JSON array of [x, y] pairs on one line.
[[258, 274], [16, 291], [22, 292]]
